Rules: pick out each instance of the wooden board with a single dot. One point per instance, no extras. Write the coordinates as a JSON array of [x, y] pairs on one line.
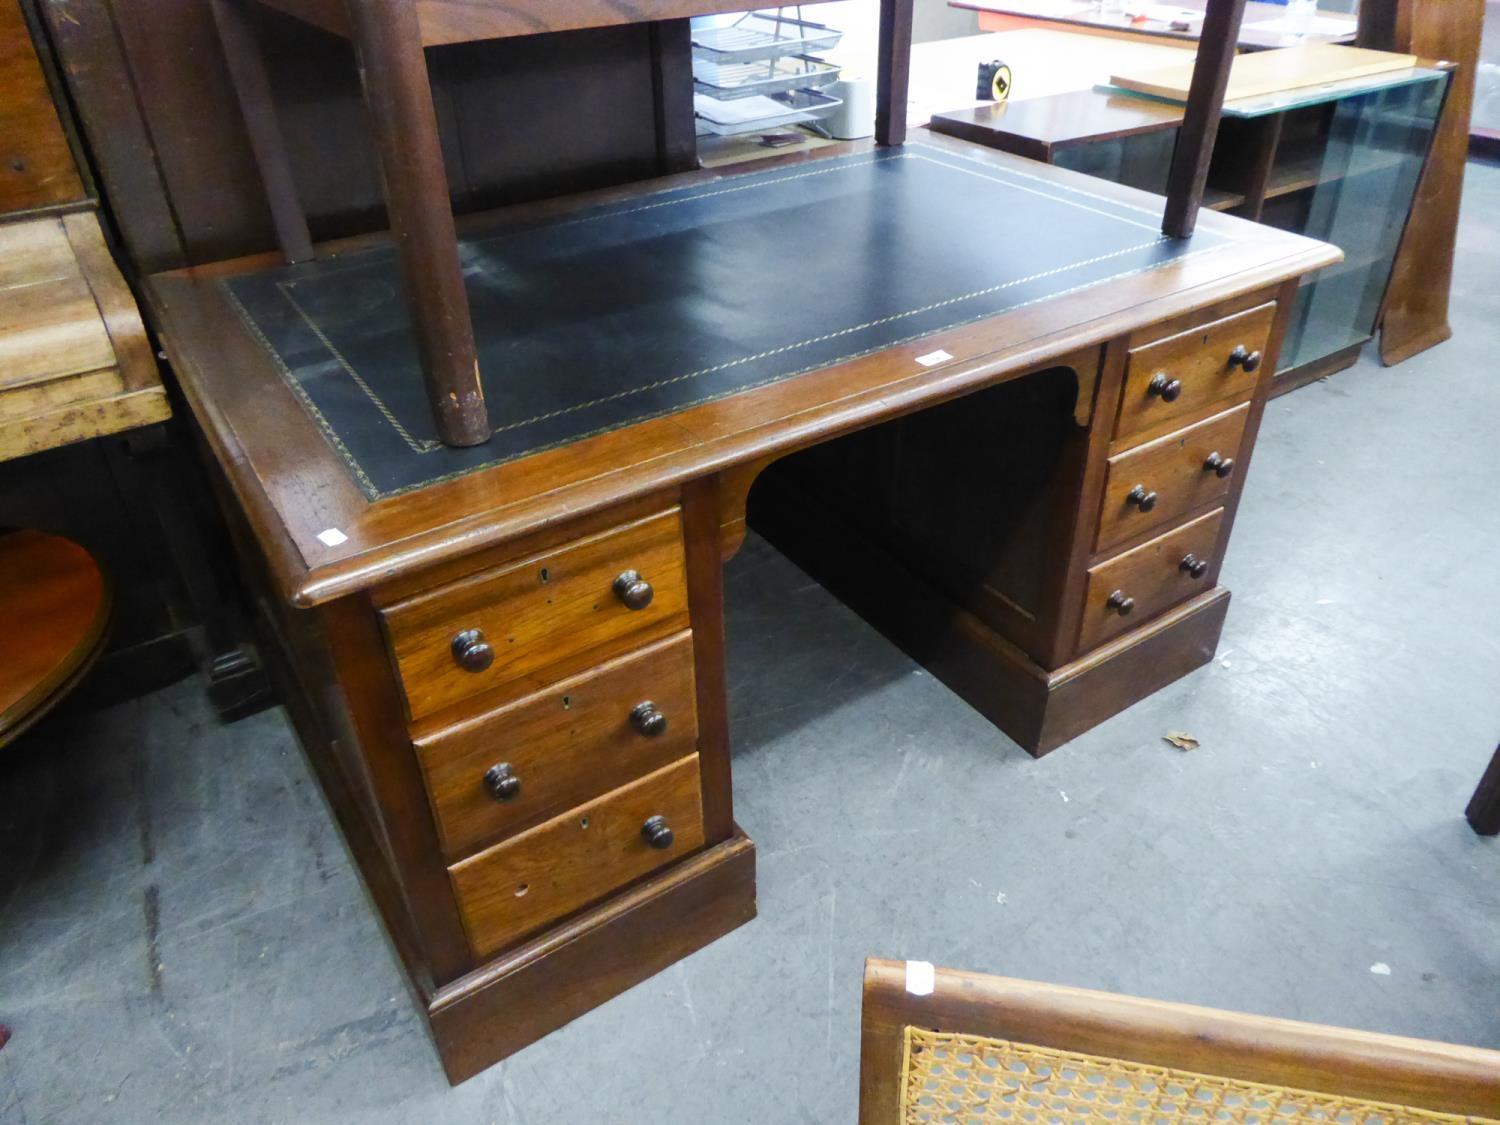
[[1269, 72], [74, 359], [36, 165]]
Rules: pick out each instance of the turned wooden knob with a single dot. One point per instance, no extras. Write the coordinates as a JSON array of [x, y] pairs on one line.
[[472, 651], [1142, 497], [1221, 467], [633, 590], [648, 719], [1166, 389], [657, 832], [1121, 602], [502, 783], [1193, 565], [1242, 357]]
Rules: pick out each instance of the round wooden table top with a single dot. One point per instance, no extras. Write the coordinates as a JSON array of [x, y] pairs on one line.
[[54, 619]]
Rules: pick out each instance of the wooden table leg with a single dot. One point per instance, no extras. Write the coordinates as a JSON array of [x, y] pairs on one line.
[[893, 74], [252, 88], [1200, 119], [398, 97], [1484, 808]]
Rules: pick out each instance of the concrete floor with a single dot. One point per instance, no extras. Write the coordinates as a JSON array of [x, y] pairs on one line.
[[182, 938]]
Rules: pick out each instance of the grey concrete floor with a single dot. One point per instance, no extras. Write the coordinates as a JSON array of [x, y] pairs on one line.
[[182, 937]]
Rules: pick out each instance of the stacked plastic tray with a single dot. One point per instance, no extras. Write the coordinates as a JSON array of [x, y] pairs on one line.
[[761, 73]]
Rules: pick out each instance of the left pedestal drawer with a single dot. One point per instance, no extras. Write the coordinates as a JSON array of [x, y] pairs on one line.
[[504, 771], [517, 887], [516, 625]]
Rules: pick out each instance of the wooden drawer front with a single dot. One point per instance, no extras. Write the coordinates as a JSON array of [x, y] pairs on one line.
[[543, 875], [1152, 576], [1156, 483], [560, 747], [539, 613], [1196, 367]]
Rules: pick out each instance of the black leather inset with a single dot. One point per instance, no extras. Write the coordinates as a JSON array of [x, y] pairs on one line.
[[629, 311]]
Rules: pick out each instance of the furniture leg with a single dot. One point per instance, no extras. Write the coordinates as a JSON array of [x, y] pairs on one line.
[[893, 71], [1484, 807], [398, 96], [252, 89], [1200, 121]]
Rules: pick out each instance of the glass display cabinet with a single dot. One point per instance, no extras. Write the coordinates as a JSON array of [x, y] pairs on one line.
[[1338, 162]]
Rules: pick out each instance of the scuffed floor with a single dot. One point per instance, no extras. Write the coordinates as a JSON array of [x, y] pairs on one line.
[[182, 938]]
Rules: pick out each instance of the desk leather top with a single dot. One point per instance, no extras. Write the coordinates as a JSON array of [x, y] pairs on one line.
[[623, 312]]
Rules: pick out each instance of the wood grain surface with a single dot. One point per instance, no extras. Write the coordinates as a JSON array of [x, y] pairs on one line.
[[554, 869], [55, 603], [566, 745]]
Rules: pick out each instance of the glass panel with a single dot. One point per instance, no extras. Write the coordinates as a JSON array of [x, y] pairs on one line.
[[1346, 173], [1140, 161]]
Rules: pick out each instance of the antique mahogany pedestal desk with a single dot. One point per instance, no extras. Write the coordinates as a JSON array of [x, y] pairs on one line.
[[992, 405], [508, 660]]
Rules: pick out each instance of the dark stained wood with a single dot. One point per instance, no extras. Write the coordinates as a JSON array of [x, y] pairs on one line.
[[36, 164], [538, 612], [377, 757], [1037, 708], [1414, 315], [577, 858], [93, 62], [566, 745], [1483, 812], [55, 603], [173, 157], [462, 21], [1200, 121], [704, 552], [671, 74], [536, 988], [247, 70], [1436, 1077], [398, 96], [1037, 127], [893, 71]]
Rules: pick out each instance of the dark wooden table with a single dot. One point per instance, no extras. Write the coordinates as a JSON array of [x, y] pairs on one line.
[[1251, 38]]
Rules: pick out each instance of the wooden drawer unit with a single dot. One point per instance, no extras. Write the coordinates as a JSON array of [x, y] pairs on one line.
[[1157, 483], [544, 874], [514, 767], [1134, 587], [1183, 374], [597, 596]]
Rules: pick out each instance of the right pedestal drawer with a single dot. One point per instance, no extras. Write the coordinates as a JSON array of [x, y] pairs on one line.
[[1182, 375], [1158, 483], [1132, 587]]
